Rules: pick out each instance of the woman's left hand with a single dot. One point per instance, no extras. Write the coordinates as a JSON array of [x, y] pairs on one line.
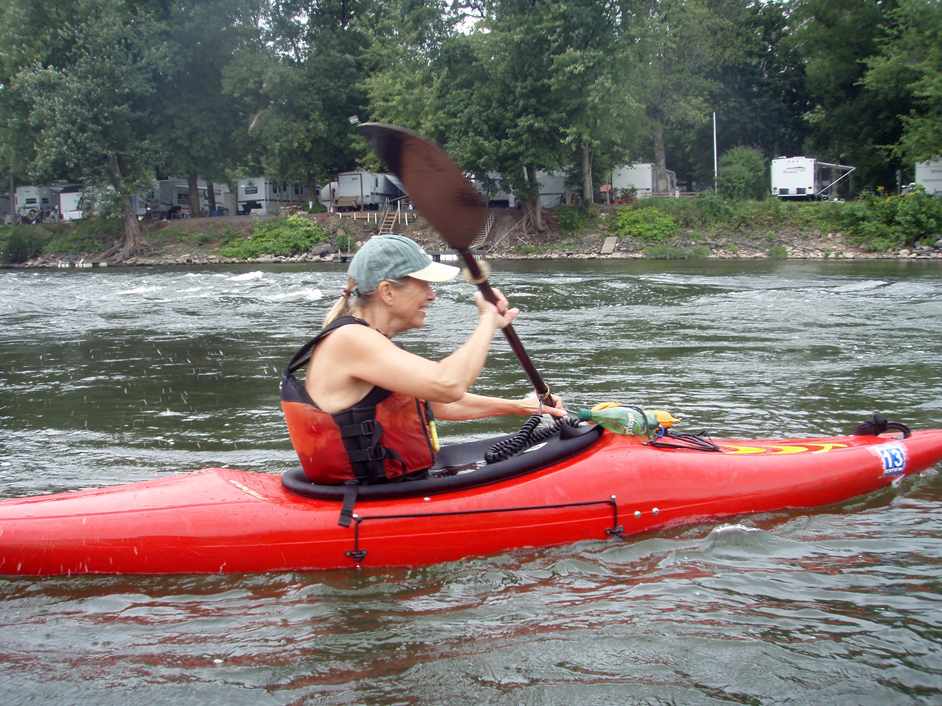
[[530, 405]]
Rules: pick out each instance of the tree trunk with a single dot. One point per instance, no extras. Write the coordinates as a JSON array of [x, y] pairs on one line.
[[132, 238], [194, 197], [534, 209], [211, 196], [587, 191], [660, 159]]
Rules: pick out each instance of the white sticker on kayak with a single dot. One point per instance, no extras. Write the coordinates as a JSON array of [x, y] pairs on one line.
[[893, 457]]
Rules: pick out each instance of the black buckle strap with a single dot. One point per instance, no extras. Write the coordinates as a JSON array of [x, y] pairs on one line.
[[350, 492]]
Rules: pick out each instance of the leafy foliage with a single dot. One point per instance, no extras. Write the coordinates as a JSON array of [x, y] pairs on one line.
[[648, 224], [573, 220], [884, 222], [743, 174], [283, 236]]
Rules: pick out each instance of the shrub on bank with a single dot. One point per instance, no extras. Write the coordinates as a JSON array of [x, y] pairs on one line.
[[573, 220], [743, 174], [21, 243], [645, 222], [293, 235], [885, 222]]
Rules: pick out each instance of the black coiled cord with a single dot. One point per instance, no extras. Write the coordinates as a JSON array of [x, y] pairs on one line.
[[528, 435]]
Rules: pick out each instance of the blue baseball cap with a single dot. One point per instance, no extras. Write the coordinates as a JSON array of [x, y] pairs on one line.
[[393, 257]]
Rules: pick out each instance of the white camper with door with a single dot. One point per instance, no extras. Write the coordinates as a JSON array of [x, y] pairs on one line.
[[806, 177], [497, 195], [361, 189], [264, 196], [553, 191], [32, 202], [641, 179], [70, 203], [929, 176]]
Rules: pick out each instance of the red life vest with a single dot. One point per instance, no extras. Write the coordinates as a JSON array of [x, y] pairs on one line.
[[381, 437]]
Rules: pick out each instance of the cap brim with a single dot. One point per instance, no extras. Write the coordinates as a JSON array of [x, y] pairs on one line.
[[435, 272]]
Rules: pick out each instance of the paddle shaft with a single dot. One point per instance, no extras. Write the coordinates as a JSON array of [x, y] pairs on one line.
[[478, 278]]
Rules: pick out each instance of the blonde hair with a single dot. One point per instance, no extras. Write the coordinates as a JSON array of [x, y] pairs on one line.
[[351, 298], [343, 306]]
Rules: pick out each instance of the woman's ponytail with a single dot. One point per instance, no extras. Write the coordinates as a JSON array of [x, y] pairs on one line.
[[343, 306]]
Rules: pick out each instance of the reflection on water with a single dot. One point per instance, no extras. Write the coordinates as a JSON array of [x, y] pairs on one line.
[[125, 375]]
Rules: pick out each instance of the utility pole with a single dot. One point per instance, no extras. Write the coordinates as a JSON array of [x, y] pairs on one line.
[[716, 170]]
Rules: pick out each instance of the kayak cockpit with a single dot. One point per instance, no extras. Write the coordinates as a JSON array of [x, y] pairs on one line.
[[459, 466]]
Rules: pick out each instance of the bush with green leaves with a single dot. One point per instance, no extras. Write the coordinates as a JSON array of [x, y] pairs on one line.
[[573, 220], [89, 235], [646, 223], [293, 235], [742, 174], [21, 243], [879, 223]]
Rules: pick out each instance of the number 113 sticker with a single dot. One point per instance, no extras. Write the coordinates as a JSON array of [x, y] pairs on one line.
[[893, 457]]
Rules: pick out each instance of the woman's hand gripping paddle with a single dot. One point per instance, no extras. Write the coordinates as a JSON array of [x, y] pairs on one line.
[[452, 205]]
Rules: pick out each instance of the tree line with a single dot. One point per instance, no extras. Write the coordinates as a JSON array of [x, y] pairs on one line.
[[112, 93]]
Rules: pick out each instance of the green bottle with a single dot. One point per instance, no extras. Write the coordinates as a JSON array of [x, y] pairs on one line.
[[628, 421]]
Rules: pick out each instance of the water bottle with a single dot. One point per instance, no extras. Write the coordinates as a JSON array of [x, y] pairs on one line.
[[628, 421]]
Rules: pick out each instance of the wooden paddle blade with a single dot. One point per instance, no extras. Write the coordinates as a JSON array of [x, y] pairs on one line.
[[437, 187]]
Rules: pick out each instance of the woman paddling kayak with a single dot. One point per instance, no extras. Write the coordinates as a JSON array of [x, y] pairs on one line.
[[363, 412]]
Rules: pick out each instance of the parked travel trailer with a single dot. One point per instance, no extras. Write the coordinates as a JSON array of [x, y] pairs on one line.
[[366, 190], [32, 202], [642, 179], [263, 196], [553, 191], [806, 177], [70, 203], [494, 191], [929, 176], [225, 200]]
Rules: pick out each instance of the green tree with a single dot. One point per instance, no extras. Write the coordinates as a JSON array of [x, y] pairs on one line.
[[673, 49], [909, 62], [198, 120], [92, 100], [743, 174], [847, 123]]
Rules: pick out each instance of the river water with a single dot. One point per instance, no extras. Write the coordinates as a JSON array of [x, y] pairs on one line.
[[120, 375]]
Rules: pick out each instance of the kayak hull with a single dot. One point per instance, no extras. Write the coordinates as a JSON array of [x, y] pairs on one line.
[[229, 521]]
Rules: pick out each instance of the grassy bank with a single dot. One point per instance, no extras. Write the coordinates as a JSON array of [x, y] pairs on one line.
[[703, 226]]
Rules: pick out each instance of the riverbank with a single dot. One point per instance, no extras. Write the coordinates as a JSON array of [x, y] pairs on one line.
[[668, 230]]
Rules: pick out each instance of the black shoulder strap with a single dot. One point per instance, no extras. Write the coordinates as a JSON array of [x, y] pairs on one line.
[[301, 358]]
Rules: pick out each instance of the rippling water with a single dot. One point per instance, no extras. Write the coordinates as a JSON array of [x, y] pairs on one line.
[[111, 376]]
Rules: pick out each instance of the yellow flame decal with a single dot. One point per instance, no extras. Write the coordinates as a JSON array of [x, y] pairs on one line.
[[783, 449]]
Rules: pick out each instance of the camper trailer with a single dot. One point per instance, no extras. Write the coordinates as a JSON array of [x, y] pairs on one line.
[[641, 178], [366, 190], [553, 191], [497, 194], [70, 203], [263, 196], [225, 200], [806, 177], [32, 203], [929, 176]]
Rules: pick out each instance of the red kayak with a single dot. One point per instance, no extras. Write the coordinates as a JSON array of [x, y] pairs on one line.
[[595, 485]]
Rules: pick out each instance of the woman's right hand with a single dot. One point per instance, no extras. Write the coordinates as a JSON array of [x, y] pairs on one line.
[[502, 313]]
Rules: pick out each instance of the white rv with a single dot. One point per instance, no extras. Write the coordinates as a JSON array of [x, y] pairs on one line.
[[642, 179], [806, 177], [497, 195], [32, 202], [70, 203], [553, 191], [361, 189], [929, 176], [264, 196]]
